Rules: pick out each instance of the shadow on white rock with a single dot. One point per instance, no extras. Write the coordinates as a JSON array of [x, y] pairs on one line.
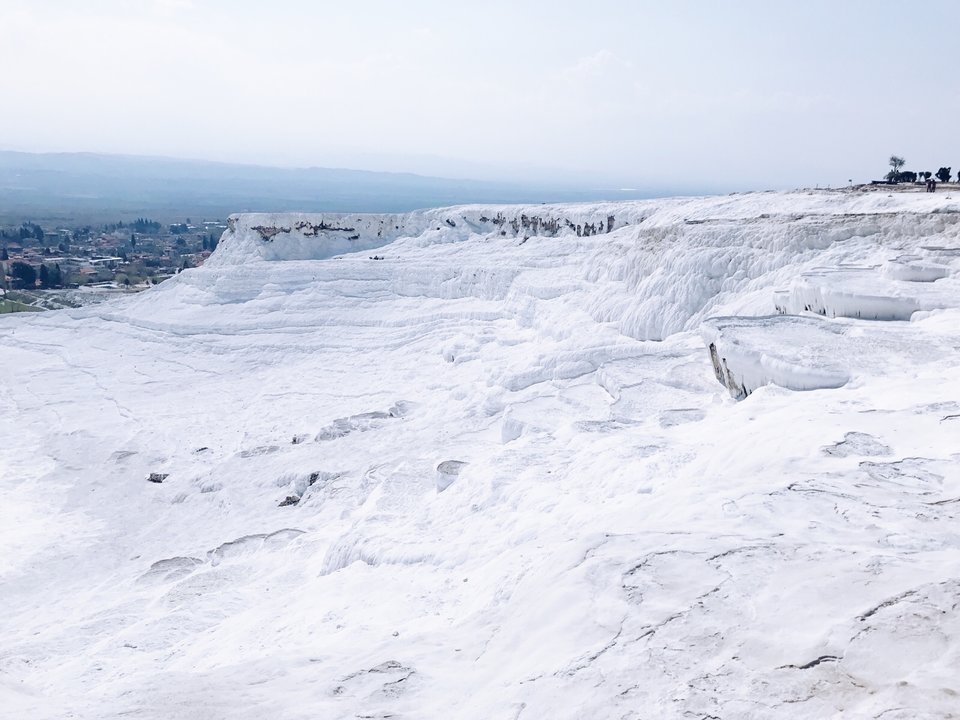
[[447, 473]]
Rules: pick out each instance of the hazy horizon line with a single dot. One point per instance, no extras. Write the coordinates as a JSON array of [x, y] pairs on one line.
[[502, 178]]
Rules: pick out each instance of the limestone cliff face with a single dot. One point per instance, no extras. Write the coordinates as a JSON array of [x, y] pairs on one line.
[[254, 236], [656, 267]]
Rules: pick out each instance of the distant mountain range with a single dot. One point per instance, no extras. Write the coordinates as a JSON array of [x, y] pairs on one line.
[[87, 185]]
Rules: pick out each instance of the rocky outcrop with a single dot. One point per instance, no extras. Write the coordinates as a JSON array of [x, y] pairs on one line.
[[798, 353]]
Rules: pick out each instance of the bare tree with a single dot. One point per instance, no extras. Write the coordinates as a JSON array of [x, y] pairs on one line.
[[896, 163]]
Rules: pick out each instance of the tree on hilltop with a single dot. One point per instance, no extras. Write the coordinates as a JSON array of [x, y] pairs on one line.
[[896, 162], [943, 174]]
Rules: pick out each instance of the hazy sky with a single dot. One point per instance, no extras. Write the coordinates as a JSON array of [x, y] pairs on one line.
[[725, 93]]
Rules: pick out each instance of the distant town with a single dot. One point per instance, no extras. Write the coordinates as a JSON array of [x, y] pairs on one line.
[[53, 266]]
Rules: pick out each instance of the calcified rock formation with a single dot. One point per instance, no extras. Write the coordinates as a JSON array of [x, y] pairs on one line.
[[491, 473]]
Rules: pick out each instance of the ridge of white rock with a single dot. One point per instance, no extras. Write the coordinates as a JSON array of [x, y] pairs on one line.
[[491, 473], [870, 294], [797, 353]]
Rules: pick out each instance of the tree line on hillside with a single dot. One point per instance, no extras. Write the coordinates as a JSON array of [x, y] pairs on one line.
[[25, 276], [146, 225], [25, 231], [898, 175]]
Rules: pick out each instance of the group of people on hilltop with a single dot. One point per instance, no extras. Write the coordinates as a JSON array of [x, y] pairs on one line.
[[931, 185]]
